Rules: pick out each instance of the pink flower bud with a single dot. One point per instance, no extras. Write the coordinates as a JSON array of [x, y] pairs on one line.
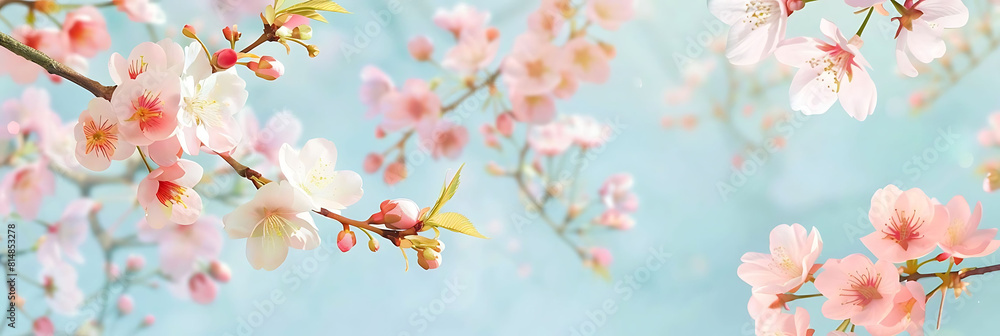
[[399, 214], [219, 271], [189, 31], [346, 240], [505, 124], [202, 288], [429, 259], [601, 256], [394, 173], [148, 320], [134, 263], [231, 34], [267, 68], [379, 133], [495, 169], [492, 34], [43, 327], [113, 271], [225, 58], [373, 162], [125, 305], [420, 48]]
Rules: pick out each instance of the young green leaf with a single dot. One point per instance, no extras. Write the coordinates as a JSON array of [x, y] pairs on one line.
[[446, 193], [454, 222]]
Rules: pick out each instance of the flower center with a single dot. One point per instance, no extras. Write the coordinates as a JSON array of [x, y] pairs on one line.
[[318, 177], [536, 68], [275, 224], [204, 110], [170, 192], [137, 67], [758, 13], [147, 110], [784, 262], [49, 286], [102, 138], [582, 58], [835, 64], [902, 229], [864, 288]]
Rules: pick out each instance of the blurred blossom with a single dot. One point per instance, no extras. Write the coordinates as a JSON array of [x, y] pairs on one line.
[[181, 246], [26, 187]]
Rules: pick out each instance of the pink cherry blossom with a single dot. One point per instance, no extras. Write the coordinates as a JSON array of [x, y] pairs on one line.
[[283, 127], [756, 27], [373, 161], [587, 131], [86, 31], [616, 193], [616, 219], [266, 67], [375, 87], [219, 271], [990, 136], [547, 21], [143, 11], [534, 66], [182, 247], [399, 214], [26, 186], [962, 239], [65, 236], [414, 104], [586, 61], [551, 139], [164, 152], [394, 173], [476, 50], [539, 109], [567, 86], [920, 31], [829, 70], [277, 218], [610, 14], [908, 225], [209, 103], [46, 40], [857, 289], [202, 289], [134, 263], [163, 56], [601, 256], [420, 48], [147, 107], [43, 327], [32, 113], [779, 323], [58, 281], [505, 124], [443, 139], [99, 139], [125, 304], [460, 18], [907, 314], [788, 266], [311, 171], [863, 3], [167, 194], [59, 146], [763, 304]]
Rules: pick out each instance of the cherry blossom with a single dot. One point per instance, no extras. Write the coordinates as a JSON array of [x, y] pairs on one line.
[[587, 131], [266, 67], [857, 289], [164, 152], [375, 87], [921, 27], [610, 14], [460, 19], [534, 66], [58, 280], [788, 266], [163, 56], [276, 219], [616, 219], [476, 50], [125, 304], [346, 240], [601, 256], [444, 139], [202, 289], [144, 11], [907, 314], [962, 239], [267, 140], [415, 103], [46, 40], [551, 139], [209, 102], [779, 323], [399, 214], [86, 31], [537, 109], [181, 247], [26, 186], [99, 140], [167, 194], [32, 113], [311, 171], [829, 70], [547, 21], [147, 107], [586, 61], [616, 193], [756, 27], [43, 327], [908, 225], [420, 48], [65, 236]]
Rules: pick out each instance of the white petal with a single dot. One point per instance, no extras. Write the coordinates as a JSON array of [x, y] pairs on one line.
[[798, 51], [925, 42], [266, 251], [859, 95], [809, 94], [947, 13]]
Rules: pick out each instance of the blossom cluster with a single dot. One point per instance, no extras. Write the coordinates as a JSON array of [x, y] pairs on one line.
[[876, 294], [833, 69]]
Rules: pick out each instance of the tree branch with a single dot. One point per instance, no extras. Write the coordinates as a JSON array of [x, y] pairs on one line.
[[54, 67], [966, 274]]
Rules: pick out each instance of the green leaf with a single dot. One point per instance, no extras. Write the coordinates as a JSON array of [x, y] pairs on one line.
[[454, 222], [447, 192], [316, 5]]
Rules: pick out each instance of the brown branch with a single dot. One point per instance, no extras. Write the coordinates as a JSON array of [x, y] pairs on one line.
[[489, 81], [55, 68], [963, 275], [540, 206]]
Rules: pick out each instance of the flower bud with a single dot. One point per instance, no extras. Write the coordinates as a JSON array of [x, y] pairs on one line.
[[148, 320], [313, 50], [601, 256], [346, 240], [379, 133], [492, 34], [231, 34], [420, 48], [134, 263], [225, 58], [219, 271], [267, 68], [373, 245], [495, 169], [303, 32], [429, 259], [125, 305], [373, 162], [399, 214], [189, 32], [394, 173], [505, 124], [202, 288], [43, 326], [608, 49]]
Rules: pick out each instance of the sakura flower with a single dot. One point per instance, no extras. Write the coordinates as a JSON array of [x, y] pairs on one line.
[[277, 218], [134, 263], [788, 266], [567, 86], [551, 139], [65, 236], [182, 247], [399, 214], [616, 193], [43, 327], [538, 109], [907, 314], [167, 194], [26, 186], [163, 56], [921, 26], [283, 127], [587, 131], [534, 66], [443, 139], [778, 323], [267, 67], [164, 152], [99, 140], [863, 3], [414, 104], [763, 304], [420, 48], [147, 107], [58, 281], [86, 31], [610, 14], [962, 238], [586, 61], [910, 230], [373, 161], [311, 171], [829, 70], [857, 289], [616, 219], [209, 102], [546, 21], [125, 304], [756, 27], [394, 173], [375, 86], [59, 146], [475, 50], [202, 289], [32, 113], [460, 19], [48, 41], [600, 256], [219, 271], [142, 11]]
